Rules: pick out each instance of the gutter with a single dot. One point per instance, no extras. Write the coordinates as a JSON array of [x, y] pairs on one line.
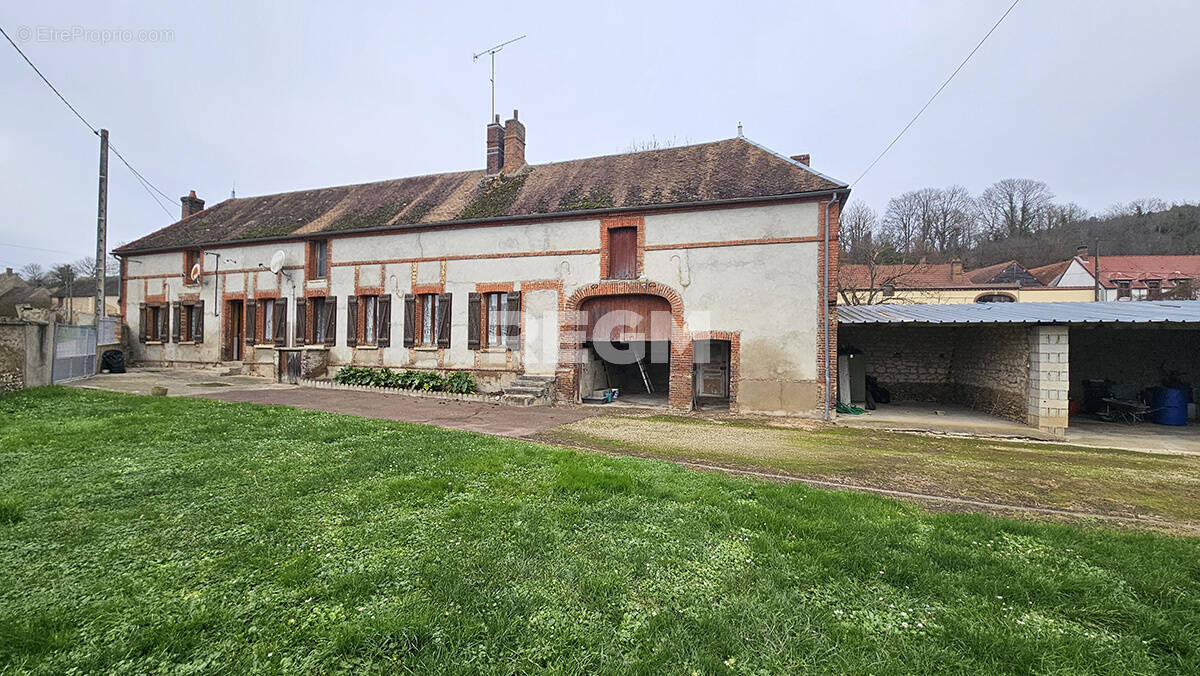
[[483, 222]]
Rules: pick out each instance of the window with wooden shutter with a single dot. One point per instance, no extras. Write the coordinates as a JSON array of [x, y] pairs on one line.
[[410, 320], [143, 319], [198, 319], [164, 323], [622, 253], [176, 316], [279, 336], [301, 321], [474, 320], [330, 321], [385, 320], [251, 317], [352, 321], [443, 313], [514, 321]]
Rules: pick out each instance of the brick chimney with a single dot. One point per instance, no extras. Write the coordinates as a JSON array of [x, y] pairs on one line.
[[802, 159], [1082, 252], [495, 147], [514, 145], [191, 204], [956, 271]]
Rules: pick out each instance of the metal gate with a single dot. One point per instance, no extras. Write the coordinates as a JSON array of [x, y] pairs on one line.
[[74, 352]]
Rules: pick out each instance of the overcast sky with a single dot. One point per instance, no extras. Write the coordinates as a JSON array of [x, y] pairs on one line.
[[1099, 99]]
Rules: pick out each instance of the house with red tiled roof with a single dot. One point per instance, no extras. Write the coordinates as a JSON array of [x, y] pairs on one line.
[[945, 283], [1152, 277], [681, 276]]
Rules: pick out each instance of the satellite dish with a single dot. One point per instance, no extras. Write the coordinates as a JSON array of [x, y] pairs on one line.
[[276, 262], [194, 275]]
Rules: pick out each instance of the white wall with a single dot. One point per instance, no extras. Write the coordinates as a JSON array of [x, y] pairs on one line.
[[766, 291]]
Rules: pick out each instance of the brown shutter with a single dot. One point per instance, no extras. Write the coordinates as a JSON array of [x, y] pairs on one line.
[[410, 320], [513, 318], [330, 321], [301, 321], [176, 316], [142, 317], [474, 320], [352, 321], [251, 313], [443, 320], [383, 324], [198, 321], [164, 323], [622, 253], [280, 323]]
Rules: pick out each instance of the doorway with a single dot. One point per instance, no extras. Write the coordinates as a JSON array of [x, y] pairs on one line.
[[712, 358], [628, 349], [231, 349]]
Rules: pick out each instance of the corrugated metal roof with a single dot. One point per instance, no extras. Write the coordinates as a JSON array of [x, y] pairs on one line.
[[1135, 312]]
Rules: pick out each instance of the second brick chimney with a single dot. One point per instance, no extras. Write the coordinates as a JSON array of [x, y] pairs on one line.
[[1082, 252], [495, 147], [956, 270], [803, 159], [514, 145], [191, 204]]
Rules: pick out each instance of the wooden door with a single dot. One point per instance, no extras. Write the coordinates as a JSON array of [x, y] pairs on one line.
[[622, 253], [712, 374], [231, 348]]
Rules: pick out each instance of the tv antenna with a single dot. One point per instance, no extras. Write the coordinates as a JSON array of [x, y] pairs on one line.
[[491, 51]]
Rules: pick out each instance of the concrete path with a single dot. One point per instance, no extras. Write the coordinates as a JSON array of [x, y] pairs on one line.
[[508, 421]]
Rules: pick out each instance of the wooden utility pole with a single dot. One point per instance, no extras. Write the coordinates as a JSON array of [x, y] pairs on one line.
[[101, 231]]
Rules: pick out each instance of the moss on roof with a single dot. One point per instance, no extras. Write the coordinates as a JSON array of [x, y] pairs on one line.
[[721, 170]]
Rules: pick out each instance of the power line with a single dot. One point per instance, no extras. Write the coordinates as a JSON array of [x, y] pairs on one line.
[[939, 91], [146, 184], [38, 248]]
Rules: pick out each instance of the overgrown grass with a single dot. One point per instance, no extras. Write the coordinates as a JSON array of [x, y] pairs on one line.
[[190, 535], [1107, 481]]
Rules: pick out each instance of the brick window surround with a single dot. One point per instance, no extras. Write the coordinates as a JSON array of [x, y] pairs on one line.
[[573, 328], [607, 224]]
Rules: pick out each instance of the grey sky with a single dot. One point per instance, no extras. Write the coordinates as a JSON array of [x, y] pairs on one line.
[[1099, 99]]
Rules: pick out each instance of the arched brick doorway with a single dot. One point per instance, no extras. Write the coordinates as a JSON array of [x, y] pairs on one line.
[[632, 295]]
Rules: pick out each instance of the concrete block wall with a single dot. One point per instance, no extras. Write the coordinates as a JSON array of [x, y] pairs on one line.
[[1049, 378]]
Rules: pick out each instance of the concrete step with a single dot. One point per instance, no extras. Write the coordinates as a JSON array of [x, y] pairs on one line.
[[533, 390], [522, 400]]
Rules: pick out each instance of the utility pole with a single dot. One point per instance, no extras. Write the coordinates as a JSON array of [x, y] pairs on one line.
[[1096, 270], [101, 232]]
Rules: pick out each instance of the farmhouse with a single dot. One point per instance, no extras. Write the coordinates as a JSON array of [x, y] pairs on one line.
[[681, 276]]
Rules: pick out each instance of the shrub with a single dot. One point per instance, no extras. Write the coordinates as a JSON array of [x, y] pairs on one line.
[[458, 382], [461, 382]]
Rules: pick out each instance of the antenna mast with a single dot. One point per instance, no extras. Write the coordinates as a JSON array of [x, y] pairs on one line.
[[491, 51]]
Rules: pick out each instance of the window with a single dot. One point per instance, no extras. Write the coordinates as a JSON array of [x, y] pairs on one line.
[[995, 298], [1183, 289], [318, 253], [1123, 290], [429, 316], [1153, 289], [268, 322], [320, 319], [152, 326], [191, 258], [186, 322], [622, 253], [889, 290], [496, 320], [370, 320]]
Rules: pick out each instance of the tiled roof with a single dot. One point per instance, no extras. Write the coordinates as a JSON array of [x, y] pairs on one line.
[[1138, 269], [732, 169], [85, 287], [1046, 274], [922, 276]]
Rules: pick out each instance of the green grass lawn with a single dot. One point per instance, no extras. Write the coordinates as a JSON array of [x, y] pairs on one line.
[[145, 534], [1105, 481]]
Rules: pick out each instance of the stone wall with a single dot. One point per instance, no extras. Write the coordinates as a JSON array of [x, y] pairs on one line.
[[12, 356], [985, 368], [990, 369]]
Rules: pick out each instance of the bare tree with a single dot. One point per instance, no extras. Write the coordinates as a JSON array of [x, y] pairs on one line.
[[653, 143], [880, 280], [1058, 215], [856, 228], [952, 212], [35, 274], [1014, 207], [904, 219]]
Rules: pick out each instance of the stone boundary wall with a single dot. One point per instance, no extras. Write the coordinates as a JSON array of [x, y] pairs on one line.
[[990, 369]]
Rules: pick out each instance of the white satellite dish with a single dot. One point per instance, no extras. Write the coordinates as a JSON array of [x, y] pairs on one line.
[[194, 275], [277, 262]]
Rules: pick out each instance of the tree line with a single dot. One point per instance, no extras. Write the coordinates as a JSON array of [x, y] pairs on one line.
[[64, 274], [1015, 218]]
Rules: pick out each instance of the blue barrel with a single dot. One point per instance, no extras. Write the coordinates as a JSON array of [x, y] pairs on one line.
[[1172, 405]]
